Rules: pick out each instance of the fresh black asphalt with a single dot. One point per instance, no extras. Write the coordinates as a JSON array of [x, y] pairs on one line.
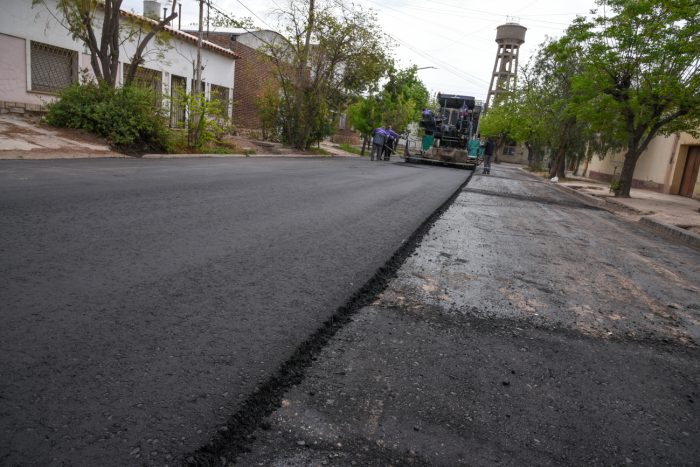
[[144, 300]]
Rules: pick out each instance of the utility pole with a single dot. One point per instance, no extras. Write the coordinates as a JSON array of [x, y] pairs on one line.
[[301, 127], [194, 117], [198, 71]]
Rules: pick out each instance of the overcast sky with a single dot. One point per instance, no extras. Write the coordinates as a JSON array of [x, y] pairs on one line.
[[455, 36]]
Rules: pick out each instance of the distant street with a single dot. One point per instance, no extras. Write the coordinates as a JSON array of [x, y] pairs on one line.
[[143, 300]]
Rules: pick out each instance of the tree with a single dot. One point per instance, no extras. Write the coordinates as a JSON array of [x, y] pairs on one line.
[[365, 115], [330, 55], [104, 41], [502, 119], [640, 77], [403, 98], [540, 112], [398, 104]]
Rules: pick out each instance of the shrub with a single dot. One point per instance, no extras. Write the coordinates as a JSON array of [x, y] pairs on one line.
[[131, 118], [207, 120], [614, 186]]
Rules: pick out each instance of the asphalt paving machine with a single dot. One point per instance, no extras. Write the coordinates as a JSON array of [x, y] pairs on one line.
[[450, 136]]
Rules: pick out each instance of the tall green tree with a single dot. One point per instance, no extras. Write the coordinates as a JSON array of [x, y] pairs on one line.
[[398, 104], [330, 54], [365, 114], [641, 74], [403, 98], [541, 111], [557, 64]]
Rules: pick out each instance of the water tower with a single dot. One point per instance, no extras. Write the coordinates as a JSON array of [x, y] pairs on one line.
[[509, 37]]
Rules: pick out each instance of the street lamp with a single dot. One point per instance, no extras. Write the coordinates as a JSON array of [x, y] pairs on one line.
[[426, 67]]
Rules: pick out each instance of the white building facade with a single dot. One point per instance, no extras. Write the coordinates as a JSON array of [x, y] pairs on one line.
[[38, 58]]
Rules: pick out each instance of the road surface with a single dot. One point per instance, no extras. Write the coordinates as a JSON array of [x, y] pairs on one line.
[[143, 300], [526, 329]]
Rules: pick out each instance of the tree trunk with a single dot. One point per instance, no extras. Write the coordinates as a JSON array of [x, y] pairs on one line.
[[499, 150], [585, 165], [561, 169], [627, 174], [365, 139], [298, 136], [558, 163]]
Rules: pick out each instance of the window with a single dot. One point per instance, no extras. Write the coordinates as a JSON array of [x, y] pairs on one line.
[[53, 68], [147, 78], [220, 93]]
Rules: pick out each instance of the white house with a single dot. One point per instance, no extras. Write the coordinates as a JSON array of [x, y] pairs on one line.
[[38, 57]]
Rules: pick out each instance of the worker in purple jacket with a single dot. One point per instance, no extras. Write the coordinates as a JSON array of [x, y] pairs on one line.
[[378, 139], [392, 138]]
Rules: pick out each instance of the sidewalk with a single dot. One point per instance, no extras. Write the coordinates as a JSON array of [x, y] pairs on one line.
[[672, 215], [25, 138]]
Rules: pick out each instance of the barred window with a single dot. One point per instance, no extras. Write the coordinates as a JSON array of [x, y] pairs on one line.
[[147, 78], [53, 68], [220, 93]]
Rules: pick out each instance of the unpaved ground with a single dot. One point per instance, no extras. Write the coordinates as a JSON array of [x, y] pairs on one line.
[[27, 138], [527, 329]]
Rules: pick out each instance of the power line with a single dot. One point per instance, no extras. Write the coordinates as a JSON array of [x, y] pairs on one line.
[[468, 77], [253, 13]]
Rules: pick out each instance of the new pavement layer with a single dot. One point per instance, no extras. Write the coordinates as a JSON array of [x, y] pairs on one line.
[[143, 300]]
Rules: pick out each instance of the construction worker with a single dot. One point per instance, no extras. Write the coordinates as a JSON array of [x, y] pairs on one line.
[[379, 137], [489, 148]]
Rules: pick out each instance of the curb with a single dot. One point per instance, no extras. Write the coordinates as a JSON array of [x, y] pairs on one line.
[[589, 199], [690, 238], [686, 237]]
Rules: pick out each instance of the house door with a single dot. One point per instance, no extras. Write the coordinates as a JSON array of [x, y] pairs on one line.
[[690, 173]]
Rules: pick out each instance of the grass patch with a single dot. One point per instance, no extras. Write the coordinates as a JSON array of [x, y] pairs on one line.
[[318, 152], [350, 148], [177, 144]]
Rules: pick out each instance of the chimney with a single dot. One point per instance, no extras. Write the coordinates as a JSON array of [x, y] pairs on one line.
[[151, 9]]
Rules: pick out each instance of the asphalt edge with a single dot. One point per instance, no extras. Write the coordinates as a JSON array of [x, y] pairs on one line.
[[689, 238], [232, 438]]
